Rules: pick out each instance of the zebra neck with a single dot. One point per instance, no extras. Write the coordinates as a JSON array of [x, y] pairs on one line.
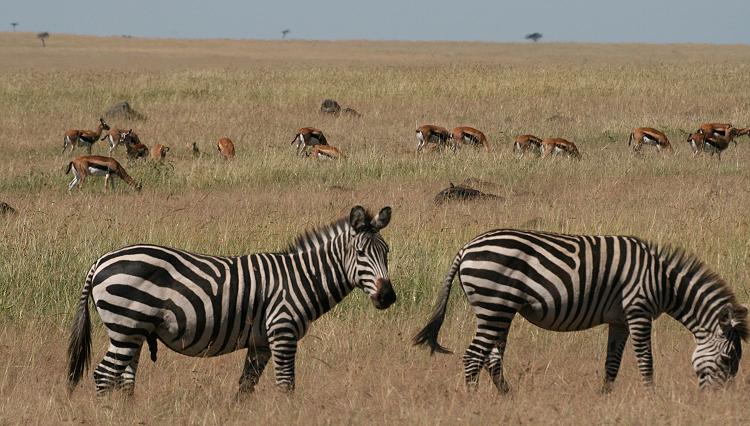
[[698, 294], [324, 277]]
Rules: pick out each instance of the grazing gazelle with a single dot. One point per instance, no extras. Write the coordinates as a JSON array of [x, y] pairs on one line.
[[159, 152], [469, 136], [427, 133], [527, 143], [96, 165], [308, 137], [226, 148], [326, 152], [649, 136], [83, 137], [560, 146]]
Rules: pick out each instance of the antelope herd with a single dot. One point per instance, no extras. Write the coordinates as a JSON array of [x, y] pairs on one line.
[[712, 138]]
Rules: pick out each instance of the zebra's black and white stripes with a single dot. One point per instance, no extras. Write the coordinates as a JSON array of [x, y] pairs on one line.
[[568, 282], [202, 305]]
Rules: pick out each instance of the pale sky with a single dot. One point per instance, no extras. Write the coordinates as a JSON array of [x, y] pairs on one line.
[[650, 21]]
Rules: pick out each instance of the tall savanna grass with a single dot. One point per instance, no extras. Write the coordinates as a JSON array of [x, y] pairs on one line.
[[357, 365]]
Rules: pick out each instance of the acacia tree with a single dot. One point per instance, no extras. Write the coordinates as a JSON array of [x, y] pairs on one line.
[[284, 33], [534, 37], [14, 25], [43, 36]]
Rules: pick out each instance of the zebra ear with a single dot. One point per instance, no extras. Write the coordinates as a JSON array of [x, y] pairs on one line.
[[732, 316], [725, 317], [358, 218], [384, 217]]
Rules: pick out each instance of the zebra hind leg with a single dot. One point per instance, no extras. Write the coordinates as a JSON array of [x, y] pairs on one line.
[[494, 367], [255, 363], [126, 383], [618, 336], [111, 373], [487, 336]]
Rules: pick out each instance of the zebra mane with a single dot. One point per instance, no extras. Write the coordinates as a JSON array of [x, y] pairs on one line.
[[691, 266], [317, 236]]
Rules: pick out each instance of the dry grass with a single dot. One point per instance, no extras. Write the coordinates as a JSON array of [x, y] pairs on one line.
[[357, 365]]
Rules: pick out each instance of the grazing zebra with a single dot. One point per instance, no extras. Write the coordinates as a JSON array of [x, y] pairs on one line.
[[571, 282], [205, 306]]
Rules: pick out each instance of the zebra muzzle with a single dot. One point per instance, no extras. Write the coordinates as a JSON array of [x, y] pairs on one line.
[[384, 295]]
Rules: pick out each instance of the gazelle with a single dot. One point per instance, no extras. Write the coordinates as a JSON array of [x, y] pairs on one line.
[[326, 152], [649, 136], [308, 137], [159, 152], [83, 137], [116, 137], [135, 149], [702, 142], [427, 133], [560, 146], [715, 129], [527, 143], [469, 136], [97, 165], [226, 148]]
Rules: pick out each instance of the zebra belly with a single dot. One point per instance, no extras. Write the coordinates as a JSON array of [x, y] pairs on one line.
[[533, 314]]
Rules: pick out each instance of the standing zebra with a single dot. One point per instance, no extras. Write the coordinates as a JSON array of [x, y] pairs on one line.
[[205, 306], [570, 282]]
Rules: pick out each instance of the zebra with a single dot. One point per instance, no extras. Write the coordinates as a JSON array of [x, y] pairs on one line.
[[574, 282], [206, 306]]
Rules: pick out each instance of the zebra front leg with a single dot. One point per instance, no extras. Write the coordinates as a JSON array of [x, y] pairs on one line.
[[618, 335], [640, 329], [255, 363], [284, 351], [495, 366]]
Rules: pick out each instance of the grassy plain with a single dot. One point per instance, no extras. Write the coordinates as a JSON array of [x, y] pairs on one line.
[[357, 365]]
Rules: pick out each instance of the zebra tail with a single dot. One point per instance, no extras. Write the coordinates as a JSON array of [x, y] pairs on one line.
[[79, 346], [429, 334]]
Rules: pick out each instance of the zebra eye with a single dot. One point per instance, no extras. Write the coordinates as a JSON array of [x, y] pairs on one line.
[[360, 252]]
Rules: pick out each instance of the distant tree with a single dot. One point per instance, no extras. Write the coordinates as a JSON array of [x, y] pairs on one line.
[[284, 33], [533, 37], [14, 25], [43, 36]]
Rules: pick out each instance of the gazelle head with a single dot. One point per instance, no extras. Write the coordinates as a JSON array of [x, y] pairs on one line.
[[103, 123], [696, 141], [366, 256], [717, 355], [125, 136]]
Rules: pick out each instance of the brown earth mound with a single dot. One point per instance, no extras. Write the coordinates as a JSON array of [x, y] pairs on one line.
[[123, 110]]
